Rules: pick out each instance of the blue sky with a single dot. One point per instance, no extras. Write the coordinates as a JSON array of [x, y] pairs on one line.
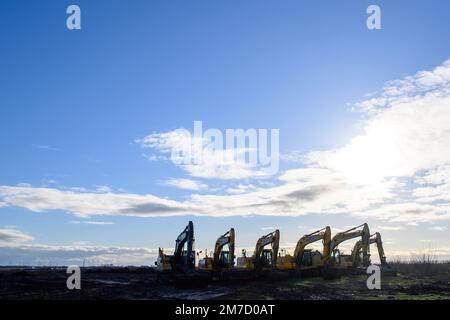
[[74, 103]]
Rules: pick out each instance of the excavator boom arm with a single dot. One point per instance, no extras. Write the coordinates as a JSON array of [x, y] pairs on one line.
[[375, 238]]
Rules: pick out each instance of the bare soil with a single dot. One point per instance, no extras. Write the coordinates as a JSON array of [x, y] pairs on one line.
[[146, 283]]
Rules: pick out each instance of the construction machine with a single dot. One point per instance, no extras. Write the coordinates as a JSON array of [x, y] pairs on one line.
[[183, 259], [163, 261], [357, 250], [307, 258], [336, 258], [221, 259], [262, 258], [244, 262]]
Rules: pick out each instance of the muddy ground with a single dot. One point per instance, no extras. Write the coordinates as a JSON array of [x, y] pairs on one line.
[[144, 283]]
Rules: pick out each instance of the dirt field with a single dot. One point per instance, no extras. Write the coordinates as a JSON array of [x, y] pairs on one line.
[[411, 282]]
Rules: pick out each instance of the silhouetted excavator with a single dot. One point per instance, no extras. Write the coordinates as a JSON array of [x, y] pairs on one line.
[[182, 259], [306, 257], [337, 258], [262, 258], [357, 253], [221, 259]]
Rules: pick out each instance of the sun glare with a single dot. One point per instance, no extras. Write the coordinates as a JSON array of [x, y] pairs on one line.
[[369, 158]]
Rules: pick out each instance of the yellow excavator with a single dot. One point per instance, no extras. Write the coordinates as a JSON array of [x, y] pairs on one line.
[[221, 259], [262, 258], [336, 258], [307, 258], [357, 250], [182, 259]]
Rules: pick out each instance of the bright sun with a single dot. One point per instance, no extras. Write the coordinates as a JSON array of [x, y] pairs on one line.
[[369, 158]]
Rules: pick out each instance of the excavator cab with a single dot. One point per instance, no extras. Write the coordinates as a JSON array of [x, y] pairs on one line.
[[266, 258], [310, 258], [336, 257], [225, 259], [359, 258], [306, 259], [186, 258], [343, 260]]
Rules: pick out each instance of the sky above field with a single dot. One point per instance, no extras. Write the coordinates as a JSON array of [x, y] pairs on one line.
[[89, 120]]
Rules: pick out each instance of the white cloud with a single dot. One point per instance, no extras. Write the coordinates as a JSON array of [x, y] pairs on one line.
[[295, 197], [91, 222], [153, 157], [436, 175], [13, 236], [187, 184], [433, 193], [40, 254], [80, 243], [390, 228], [294, 156], [438, 228], [104, 189], [207, 162], [269, 228], [409, 212], [241, 188], [45, 147], [91, 203], [308, 194], [398, 142], [300, 193], [408, 88]]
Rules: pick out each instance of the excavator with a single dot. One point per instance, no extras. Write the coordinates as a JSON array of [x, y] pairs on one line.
[[182, 259], [221, 259], [304, 258], [262, 258], [357, 253], [336, 258]]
